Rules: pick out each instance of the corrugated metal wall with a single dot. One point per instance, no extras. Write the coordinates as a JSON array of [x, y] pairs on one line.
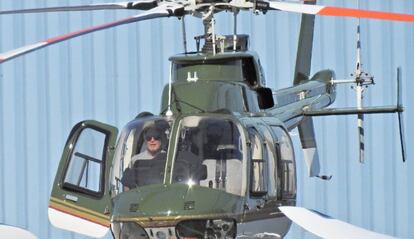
[[112, 75]]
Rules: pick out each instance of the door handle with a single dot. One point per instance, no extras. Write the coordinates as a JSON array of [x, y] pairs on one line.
[[71, 198]]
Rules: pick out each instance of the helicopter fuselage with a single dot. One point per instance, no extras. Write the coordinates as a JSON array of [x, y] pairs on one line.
[[207, 180], [226, 163]]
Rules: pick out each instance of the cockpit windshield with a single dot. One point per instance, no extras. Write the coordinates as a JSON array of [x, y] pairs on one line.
[[209, 154], [141, 153]]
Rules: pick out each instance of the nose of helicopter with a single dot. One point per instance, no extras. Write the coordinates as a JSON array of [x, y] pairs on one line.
[[173, 202], [173, 209]]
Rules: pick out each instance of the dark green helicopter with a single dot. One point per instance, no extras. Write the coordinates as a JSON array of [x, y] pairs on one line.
[[223, 161]]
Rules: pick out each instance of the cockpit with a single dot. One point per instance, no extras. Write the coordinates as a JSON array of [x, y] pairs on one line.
[[202, 150]]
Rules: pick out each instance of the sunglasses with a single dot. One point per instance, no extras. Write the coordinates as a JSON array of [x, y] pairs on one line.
[[149, 137]]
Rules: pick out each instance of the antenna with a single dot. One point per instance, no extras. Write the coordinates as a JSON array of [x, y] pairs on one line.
[[169, 112]]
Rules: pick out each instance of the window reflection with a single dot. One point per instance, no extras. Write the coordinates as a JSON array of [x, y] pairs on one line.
[[287, 163], [258, 184], [209, 154], [85, 165]]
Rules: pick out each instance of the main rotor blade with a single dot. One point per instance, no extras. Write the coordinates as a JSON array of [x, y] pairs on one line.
[[310, 150], [302, 71], [7, 231], [361, 137], [326, 227], [339, 11], [166, 10], [136, 5]]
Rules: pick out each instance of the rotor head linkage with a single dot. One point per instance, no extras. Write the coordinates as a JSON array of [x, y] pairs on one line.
[[209, 31]]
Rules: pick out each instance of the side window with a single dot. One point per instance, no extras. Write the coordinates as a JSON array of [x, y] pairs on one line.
[[85, 166], [258, 185], [273, 180], [249, 72], [209, 153], [286, 163]]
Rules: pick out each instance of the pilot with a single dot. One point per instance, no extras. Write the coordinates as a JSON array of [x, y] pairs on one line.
[[153, 136], [153, 139]]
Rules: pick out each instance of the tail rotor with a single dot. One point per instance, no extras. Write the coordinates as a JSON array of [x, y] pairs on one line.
[[362, 81]]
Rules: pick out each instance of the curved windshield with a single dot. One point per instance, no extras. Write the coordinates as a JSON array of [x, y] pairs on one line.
[[141, 153], [209, 154]]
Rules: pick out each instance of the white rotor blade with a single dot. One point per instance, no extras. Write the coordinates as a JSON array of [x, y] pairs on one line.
[[15, 233], [339, 12], [137, 5], [327, 227], [165, 10]]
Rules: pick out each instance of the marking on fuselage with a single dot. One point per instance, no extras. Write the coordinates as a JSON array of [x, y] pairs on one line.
[[133, 207], [77, 211]]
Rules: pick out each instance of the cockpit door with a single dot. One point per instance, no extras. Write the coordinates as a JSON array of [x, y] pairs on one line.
[[80, 200]]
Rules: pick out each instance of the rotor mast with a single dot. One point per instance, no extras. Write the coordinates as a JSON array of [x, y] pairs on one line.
[[209, 31]]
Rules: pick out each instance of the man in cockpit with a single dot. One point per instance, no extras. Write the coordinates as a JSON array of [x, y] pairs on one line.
[[153, 136], [153, 139]]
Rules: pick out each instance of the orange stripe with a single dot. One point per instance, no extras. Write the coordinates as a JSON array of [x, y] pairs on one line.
[[78, 215], [348, 12]]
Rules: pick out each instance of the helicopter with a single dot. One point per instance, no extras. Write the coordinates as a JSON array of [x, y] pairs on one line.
[[218, 89]]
